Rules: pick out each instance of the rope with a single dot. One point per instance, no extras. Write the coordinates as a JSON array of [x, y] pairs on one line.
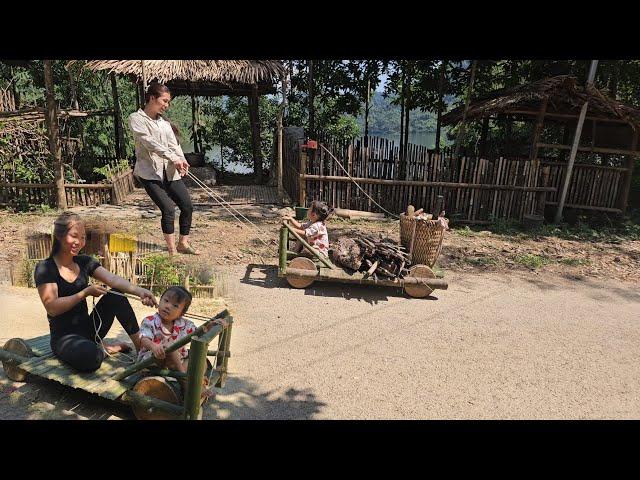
[[356, 183], [221, 201]]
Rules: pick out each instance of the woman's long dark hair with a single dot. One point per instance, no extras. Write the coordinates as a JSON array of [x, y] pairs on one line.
[[60, 228], [155, 90]]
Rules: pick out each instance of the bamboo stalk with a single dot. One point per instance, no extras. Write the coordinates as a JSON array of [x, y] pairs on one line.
[[360, 278], [195, 374]]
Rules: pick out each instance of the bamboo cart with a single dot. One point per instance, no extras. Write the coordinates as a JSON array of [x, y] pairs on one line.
[[302, 271], [152, 392]]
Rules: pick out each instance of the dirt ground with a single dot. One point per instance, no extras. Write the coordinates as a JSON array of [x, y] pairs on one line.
[[531, 327]]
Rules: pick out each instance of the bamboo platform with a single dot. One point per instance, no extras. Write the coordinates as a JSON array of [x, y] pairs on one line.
[[100, 382]]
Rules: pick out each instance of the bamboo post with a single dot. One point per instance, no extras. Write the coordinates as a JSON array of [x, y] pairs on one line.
[[533, 154], [254, 120], [626, 187], [195, 375], [303, 183], [284, 242], [223, 354], [576, 142]]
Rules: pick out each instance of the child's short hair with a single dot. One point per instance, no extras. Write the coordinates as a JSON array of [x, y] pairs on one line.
[[321, 209], [180, 294]]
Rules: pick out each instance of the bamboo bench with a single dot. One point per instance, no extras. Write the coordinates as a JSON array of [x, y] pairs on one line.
[[152, 392]]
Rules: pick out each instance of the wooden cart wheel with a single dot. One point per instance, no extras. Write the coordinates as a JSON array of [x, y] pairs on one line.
[[302, 263], [417, 290], [162, 389], [19, 347]]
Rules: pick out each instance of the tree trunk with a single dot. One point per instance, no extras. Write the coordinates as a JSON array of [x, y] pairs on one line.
[[483, 137], [55, 153], [312, 112], [443, 66], [74, 93], [466, 109], [254, 119], [117, 118], [194, 127], [613, 80]]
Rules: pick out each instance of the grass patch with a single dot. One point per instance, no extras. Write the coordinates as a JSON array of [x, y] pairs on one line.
[[531, 261], [574, 262], [464, 231], [481, 261]]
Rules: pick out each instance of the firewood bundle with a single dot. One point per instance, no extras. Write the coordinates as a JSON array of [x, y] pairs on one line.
[[381, 257]]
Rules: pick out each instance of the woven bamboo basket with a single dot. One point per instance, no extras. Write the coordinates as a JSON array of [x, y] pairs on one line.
[[427, 242]]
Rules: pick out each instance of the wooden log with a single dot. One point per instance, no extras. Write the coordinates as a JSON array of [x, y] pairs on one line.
[[360, 278], [345, 213]]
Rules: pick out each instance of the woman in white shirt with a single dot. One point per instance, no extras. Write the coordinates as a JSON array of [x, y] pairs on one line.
[[160, 166]]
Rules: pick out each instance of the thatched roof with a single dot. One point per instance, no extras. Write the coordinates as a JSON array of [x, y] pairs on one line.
[[565, 97], [204, 77]]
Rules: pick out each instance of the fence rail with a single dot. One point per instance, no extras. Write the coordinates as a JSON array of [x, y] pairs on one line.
[[474, 189], [77, 194]]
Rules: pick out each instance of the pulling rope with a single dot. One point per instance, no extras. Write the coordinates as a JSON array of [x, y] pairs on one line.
[[356, 183], [222, 202]]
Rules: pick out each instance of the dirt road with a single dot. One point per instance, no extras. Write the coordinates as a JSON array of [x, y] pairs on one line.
[[494, 345]]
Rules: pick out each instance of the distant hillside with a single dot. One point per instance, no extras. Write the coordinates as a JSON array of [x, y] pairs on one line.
[[384, 118]]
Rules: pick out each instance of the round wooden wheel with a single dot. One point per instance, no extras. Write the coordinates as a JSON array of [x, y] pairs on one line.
[[302, 263], [19, 347], [418, 290], [160, 388]]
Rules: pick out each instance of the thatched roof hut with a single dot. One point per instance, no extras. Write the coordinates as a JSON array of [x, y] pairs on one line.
[[199, 77], [565, 98]]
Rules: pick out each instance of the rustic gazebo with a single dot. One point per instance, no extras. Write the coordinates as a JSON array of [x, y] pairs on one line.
[[249, 78], [610, 129]]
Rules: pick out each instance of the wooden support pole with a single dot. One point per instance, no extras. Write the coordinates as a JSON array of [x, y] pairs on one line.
[[626, 187], [195, 375], [283, 105], [443, 66], [576, 142], [218, 353], [117, 118], [254, 120], [55, 153], [533, 154]]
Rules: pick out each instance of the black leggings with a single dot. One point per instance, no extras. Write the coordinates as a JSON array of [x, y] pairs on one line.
[[79, 349], [166, 195]]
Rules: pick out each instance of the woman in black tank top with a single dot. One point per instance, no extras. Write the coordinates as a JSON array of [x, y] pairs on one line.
[[63, 285]]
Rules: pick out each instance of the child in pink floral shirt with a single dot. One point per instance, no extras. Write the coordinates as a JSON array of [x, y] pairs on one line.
[[314, 231], [160, 330]]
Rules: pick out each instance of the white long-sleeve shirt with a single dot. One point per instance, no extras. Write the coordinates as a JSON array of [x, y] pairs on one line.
[[156, 147]]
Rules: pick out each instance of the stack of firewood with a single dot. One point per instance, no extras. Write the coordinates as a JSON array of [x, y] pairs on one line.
[[377, 257]]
